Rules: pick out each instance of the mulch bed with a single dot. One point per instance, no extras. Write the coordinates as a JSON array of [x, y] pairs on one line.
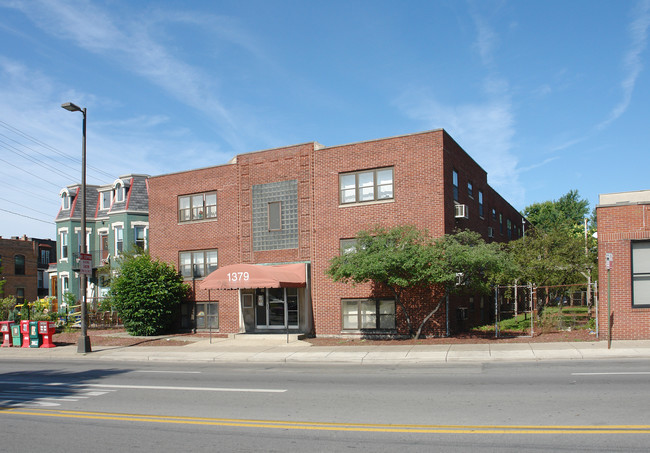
[[119, 337], [471, 337]]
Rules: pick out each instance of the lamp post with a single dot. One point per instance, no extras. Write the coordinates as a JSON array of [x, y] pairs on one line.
[[83, 344]]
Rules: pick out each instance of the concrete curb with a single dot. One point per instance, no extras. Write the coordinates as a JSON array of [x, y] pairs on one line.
[[229, 351]]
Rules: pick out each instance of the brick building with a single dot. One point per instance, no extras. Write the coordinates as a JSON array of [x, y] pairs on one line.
[[624, 236], [23, 267], [302, 205]]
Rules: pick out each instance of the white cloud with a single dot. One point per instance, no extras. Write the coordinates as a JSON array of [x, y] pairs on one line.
[[485, 131], [130, 41], [632, 62]]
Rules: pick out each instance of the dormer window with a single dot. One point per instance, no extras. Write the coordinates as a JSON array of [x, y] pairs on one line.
[[119, 193], [119, 189], [105, 200], [65, 199]]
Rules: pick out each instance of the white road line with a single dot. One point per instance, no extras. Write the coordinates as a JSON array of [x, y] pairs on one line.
[[108, 387], [196, 389], [612, 373], [165, 371]]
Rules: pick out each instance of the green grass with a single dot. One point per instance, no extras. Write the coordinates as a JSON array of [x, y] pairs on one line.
[[567, 310], [575, 317], [519, 323]]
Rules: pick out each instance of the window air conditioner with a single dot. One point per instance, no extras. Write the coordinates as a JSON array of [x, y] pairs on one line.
[[460, 211]]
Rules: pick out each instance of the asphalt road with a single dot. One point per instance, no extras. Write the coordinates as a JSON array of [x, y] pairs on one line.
[[98, 406]]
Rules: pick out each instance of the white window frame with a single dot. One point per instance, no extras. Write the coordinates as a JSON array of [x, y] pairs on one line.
[[103, 203], [64, 278], [347, 246], [63, 257], [119, 193], [116, 227], [362, 318], [145, 228], [65, 202], [640, 273], [200, 265], [196, 211], [366, 192], [77, 231]]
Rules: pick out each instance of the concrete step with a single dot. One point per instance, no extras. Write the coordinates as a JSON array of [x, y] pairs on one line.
[[271, 338]]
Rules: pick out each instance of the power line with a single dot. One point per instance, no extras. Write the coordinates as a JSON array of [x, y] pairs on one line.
[[30, 174], [22, 190], [37, 152], [15, 150], [50, 147], [23, 206], [28, 217]]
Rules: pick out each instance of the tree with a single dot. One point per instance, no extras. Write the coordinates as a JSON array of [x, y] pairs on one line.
[[146, 294], [405, 259], [566, 213], [558, 250], [550, 258]]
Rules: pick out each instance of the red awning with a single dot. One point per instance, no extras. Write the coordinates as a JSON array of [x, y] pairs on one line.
[[240, 276]]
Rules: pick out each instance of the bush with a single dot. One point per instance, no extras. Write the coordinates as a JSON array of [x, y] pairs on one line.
[[7, 307], [146, 294]]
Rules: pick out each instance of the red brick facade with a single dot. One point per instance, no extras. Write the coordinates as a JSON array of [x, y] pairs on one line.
[[422, 166], [16, 284], [623, 219]]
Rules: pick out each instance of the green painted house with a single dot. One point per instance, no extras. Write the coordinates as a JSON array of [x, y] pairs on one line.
[[117, 221]]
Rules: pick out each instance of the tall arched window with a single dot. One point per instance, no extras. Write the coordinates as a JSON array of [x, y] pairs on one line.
[[65, 202], [19, 264]]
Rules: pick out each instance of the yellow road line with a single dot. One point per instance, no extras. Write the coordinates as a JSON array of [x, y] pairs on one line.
[[324, 426]]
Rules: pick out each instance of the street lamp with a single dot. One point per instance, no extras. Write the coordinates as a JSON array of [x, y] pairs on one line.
[[83, 345]]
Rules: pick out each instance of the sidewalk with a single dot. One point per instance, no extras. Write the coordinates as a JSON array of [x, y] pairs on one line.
[[222, 350]]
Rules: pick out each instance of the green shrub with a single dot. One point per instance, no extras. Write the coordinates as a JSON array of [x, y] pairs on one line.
[[7, 307], [147, 294], [69, 300]]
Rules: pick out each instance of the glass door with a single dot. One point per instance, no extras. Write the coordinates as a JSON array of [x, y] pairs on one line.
[[276, 308]]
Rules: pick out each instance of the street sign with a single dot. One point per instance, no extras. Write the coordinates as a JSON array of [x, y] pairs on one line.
[[86, 263], [609, 260]]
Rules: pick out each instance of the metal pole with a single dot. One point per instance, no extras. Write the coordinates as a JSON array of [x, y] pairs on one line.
[[532, 317], [83, 345], [516, 300], [596, 303], [496, 311], [286, 313], [447, 313], [609, 311]]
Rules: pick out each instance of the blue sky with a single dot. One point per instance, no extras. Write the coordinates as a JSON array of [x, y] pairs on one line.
[[547, 96]]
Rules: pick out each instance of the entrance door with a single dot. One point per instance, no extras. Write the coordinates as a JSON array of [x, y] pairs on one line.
[[103, 243], [276, 308]]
